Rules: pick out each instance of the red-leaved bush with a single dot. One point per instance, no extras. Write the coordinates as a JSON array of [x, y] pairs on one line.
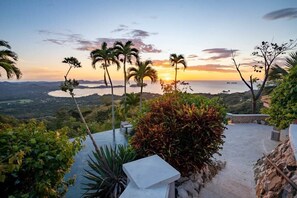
[[185, 130]]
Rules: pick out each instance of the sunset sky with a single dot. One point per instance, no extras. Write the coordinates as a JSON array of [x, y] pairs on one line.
[[43, 32]]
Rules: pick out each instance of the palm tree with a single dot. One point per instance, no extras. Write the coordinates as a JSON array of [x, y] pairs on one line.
[[106, 56], [175, 60], [291, 61], [69, 85], [127, 52], [7, 61], [142, 70], [277, 73]]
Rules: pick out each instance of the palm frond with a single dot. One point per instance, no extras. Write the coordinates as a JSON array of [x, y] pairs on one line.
[[4, 44], [106, 177], [8, 54], [291, 61]]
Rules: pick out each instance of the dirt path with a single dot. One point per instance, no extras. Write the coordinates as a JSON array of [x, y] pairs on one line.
[[244, 145]]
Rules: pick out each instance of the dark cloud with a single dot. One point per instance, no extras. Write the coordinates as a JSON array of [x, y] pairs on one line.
[[220, 53], [289, 13], [88, 45], [136, 33], [192, 56], [133, 33], [213, 68], [121, 28], [55, 41], [139, 33]]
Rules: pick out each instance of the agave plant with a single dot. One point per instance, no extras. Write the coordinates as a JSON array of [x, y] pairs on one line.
[[106, 177]]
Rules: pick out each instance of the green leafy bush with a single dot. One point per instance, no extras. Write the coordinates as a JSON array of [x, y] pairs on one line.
[[106, 176], [283, 108], [183, 129], [33, 161]]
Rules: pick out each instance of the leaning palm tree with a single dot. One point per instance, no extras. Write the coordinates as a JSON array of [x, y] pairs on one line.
[[125, 53], [175, 60], [141, 71], [68, 85], [107, 57], [7, 61]]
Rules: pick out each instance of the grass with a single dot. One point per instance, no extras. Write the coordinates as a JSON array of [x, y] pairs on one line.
[[20, 101]]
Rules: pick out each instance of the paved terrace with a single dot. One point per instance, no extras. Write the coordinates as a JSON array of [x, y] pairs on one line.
[[244, 145]]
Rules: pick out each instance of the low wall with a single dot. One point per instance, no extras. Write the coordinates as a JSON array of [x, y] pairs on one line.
[[293, 138], [247, 118]]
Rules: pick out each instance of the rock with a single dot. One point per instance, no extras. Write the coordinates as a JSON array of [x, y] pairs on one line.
[[270, 195], [182, 179], [269, 183], [182, 193]]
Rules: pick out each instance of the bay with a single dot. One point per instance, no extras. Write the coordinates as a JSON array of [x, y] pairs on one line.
[[212, 87]]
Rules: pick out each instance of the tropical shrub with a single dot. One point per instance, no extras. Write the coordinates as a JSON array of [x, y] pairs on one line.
[[33, 161], [283, 108], [184, 129], [106, 176]]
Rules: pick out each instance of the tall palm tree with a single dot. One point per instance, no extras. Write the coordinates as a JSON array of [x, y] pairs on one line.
[[7, 61], [107, 57], [141, 71], [175, 60], [125, 53], [69, 85]]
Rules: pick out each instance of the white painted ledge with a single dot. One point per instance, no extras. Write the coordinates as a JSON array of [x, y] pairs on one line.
[[293, 138], [131, 191], [150, 171]]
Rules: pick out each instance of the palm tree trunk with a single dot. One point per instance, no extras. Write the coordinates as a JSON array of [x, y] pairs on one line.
[[125, 90], [140, 102], [175, 83], [112, 107], [86, 125], [81, 116]]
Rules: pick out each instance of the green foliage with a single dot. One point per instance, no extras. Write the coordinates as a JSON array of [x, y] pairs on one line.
[[283, 109], [8, 121], [33, 161], [184, 129], [106, 175]]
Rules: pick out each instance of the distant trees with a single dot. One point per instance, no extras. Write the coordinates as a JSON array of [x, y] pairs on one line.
[[267, 54], [69, 85], [8, 60], [141, 71], [125, 53], [175, 60], [107, 57]]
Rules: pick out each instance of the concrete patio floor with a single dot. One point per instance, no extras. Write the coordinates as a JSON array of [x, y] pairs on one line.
[[244, 145]]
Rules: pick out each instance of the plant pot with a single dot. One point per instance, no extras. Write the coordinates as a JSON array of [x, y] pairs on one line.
[[275, 134]]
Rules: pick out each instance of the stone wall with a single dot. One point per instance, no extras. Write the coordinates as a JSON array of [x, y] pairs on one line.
[[270, 183], [247, 118], [189, 187]]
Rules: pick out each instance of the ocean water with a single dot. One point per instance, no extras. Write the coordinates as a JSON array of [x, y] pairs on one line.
[[212, 87]]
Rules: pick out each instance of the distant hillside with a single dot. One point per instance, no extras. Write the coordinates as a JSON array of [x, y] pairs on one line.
[[31, 100]]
